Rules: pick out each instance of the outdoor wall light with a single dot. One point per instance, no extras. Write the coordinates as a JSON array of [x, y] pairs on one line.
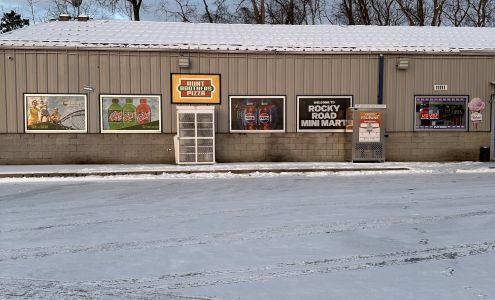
[[403, 64], [184, 62]]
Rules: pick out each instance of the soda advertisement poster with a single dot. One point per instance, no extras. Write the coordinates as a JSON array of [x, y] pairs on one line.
[[130, 113], [257, 114], [322, 113], [57, 113], [195, 88], [369, 127]]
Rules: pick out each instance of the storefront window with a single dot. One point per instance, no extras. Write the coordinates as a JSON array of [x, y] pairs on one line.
[[440, 112]]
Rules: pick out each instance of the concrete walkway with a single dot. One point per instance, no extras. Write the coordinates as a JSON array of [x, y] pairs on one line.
[[26, 171]]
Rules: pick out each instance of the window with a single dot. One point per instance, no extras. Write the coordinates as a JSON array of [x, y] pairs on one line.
[[440, 113]]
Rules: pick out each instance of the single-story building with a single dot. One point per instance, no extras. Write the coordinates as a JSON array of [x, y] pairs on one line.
[[108, 91]]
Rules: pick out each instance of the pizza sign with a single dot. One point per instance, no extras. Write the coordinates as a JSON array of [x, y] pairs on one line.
[[196, 88]]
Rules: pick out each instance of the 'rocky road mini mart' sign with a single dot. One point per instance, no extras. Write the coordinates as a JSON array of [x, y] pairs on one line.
[[322, 113]]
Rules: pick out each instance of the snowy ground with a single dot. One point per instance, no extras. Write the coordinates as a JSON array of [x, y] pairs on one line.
[[428, 233]]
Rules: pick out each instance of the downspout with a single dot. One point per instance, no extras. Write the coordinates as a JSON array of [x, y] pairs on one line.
[[381, 65]]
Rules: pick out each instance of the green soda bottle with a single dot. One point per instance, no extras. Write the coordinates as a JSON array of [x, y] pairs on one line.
[[129, 113], [115, 115]]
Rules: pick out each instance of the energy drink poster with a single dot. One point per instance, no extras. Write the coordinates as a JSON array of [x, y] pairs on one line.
[[322, 113], [257, 114], [57, 113], [195, 88], [130, 114]]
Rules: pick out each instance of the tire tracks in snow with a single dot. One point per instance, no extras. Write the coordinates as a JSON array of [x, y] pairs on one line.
[[235, 236], [164, 286]]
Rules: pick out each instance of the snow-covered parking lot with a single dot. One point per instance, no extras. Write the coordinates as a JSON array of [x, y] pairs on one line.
[[422, 234]]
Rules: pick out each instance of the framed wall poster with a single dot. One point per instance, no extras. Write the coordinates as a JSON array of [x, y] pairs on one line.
[[322, 113], [55, 113], [257, 114], [130, 114], [195, 88], [441, 113]]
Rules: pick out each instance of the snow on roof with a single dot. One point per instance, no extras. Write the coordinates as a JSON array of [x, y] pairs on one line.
[[248, 37]]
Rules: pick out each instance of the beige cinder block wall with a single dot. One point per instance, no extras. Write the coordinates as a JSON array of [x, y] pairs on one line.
[[64, 70]]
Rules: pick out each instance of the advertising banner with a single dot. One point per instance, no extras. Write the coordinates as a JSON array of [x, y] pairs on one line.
[[130, 114], [59, 113], [195, 88], [440, 113], [369, 127], [322, 113], [257, 113]]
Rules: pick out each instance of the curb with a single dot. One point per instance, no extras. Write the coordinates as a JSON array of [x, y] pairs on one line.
[[162, 172]]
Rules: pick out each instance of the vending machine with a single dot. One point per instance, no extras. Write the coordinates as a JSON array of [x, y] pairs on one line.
[[368, 132], [195, 139]]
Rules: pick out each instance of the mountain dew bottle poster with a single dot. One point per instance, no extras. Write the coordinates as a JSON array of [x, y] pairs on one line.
[[130, 113]]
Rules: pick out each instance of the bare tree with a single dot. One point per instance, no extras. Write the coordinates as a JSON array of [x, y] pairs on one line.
[[456, 11], [216, 12], [367, 12], [287, 11], [422, 12], [31, 4], [252, 11], [481, 13], [386, 13], [209, 11], [87, 7], [130, 8]]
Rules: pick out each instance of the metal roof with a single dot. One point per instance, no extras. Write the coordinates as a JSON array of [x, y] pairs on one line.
[[249, 37]]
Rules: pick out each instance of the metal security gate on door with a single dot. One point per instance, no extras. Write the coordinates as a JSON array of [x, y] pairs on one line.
[[195, 139]]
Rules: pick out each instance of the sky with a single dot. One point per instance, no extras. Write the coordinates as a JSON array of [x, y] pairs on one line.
[[41, 10]]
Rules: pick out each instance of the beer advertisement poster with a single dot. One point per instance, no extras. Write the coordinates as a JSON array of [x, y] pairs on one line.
[[195, 88], [322, 113], [130, 114], [257, 114], [55, 113]]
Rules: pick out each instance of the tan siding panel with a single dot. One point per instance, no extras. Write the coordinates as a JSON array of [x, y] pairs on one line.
[[42, 73], [125, 73], [115, 73], [145, 71], [308, 75], [11, 95], [73, 73], [3, 95], [83, 72], [105, 73], [222, 110], [93, 99], [291, 91], [21, 86], [62, 72], [52, 78], [318, 75], [261, 70], [31, 66], [156, 74]]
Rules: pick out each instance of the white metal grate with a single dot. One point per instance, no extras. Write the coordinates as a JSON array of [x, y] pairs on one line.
[[195, 142]]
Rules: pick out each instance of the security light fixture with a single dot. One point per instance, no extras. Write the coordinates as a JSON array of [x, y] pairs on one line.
[[184, 62], [403, 64]]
